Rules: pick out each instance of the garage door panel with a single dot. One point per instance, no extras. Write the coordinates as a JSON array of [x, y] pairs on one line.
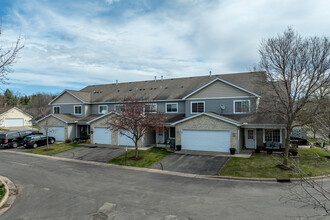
[[56, 132], [101, 136], [206, 140], [124, 140], [14, 122]]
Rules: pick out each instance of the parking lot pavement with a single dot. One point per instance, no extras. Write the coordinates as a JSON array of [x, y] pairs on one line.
[[93, 153], [20, 148], [195, 164]]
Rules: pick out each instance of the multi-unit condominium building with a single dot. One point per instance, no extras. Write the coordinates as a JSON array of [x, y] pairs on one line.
[[206, 113]]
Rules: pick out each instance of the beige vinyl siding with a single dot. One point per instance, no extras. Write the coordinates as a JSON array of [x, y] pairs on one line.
[[66, 98], [14, 113], [219, 89]]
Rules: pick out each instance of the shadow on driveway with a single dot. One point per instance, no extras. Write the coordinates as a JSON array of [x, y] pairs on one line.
[[195, 164], [93, 153]]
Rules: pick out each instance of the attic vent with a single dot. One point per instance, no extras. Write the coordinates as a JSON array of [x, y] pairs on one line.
[[118, 90], [150, 88], [144, 89], [181, 86], [155, 88], [140, 89], [165, 87], [130, 90], [171, 79]]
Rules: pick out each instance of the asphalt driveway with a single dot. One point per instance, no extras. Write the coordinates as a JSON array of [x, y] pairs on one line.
[[93, 153], [195, 164]]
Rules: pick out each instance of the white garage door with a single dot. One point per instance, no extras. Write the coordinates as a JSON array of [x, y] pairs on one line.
[[206, 140], [14, 122], [102, 136], [56, 132], [124, 140]]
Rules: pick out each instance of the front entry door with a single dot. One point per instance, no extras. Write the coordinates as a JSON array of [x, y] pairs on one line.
[[250, 138]]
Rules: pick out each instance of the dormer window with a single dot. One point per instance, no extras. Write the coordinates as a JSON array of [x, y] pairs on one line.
[[77, 109], [103, 109], [241, 106], [56, 109]]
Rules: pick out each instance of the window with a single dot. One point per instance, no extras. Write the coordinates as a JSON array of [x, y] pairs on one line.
[[119, 107], [56, 109], [250, 134], [172, 132], [242, 106], [171, 108], [103, 109], [77, 109], [197, 107], [272, 135], [151, 107]]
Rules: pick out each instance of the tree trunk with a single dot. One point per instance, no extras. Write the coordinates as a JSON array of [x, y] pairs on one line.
[[136, 151], [47, 138], [287, 147]]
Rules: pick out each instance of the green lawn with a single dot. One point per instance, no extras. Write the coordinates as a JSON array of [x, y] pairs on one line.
[[312, 161], [2, 191], [150, 157], [55, 149]]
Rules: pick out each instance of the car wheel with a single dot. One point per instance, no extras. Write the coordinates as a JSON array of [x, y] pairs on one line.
[[35, 145], [15, 145], [52, 141]]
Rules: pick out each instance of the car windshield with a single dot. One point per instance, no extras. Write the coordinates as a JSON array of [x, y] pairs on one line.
[[28, 138]]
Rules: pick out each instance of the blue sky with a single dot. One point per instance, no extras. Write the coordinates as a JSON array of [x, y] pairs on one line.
[[71, 44]]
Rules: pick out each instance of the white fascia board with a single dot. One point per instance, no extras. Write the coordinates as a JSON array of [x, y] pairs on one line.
[[219, 118], [218, 79], [263, 125], [95, 119], [54, 117]]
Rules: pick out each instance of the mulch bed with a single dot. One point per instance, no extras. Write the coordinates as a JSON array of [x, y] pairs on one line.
[[134, 158]]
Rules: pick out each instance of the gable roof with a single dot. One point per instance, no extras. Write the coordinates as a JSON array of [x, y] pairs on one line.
[[212, 115], [221, 80], [6, 109], [84, 97], [171, 89]]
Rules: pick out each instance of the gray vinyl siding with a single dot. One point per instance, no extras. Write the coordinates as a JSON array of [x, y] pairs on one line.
[[71, 131], [160, 107], [69, 109], [213, 105], [88, 110]]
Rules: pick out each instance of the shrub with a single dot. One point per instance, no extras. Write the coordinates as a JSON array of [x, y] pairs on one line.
[[68, 141]]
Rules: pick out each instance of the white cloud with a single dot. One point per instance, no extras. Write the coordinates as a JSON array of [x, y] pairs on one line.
[[181, 39]]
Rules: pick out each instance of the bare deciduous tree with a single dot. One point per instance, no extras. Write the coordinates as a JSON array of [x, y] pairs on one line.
[[297, 70], [8, 56], [135, 118]]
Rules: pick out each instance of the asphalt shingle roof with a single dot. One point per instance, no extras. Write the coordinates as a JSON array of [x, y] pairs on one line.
[[165, 89]]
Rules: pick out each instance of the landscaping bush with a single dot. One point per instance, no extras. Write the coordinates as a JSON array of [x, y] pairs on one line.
[[68, 141]]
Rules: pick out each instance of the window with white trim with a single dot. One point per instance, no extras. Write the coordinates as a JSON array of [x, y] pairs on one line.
[[103, 109], [150, 107], [77, 109], [56, 109], [119, 107], [171, 108], [241, 106], [197, 107], [272, 135]]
